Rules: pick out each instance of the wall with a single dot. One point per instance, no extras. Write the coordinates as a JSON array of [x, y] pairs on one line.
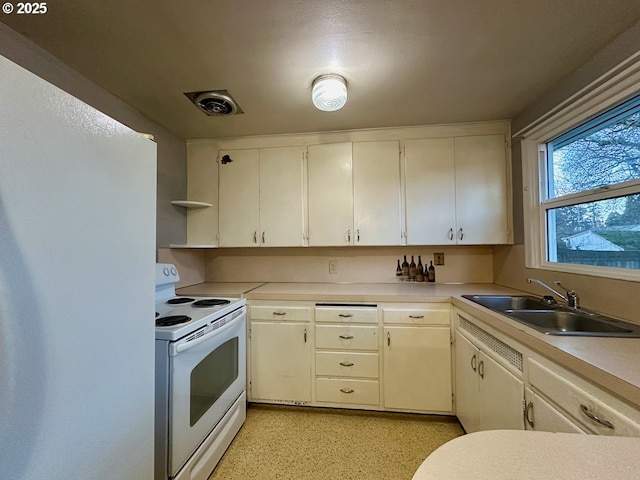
[[613, 297], [172, 170], [355, 264]]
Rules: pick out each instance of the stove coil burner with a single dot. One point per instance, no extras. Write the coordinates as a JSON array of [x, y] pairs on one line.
[[180, 300], [211, 302], [172, 320]]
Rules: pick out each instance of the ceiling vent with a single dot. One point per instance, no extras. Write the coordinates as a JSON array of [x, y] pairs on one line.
[[216, 103]]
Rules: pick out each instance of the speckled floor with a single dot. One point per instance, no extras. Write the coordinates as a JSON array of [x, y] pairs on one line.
[[301, 443]]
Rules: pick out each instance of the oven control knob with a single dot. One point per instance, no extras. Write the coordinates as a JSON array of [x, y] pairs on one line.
[[165, 271], [173, 271]]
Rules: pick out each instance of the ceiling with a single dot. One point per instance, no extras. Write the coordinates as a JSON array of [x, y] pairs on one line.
[[407, 62]]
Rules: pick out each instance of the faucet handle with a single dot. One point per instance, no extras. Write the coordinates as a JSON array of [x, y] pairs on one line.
[[572, 296]]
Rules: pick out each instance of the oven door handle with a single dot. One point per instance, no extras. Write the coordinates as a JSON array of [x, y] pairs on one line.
[[182, 347]]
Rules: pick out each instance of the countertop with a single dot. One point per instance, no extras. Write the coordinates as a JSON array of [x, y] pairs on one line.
[[528, 455], [611, 363], [221, 289]]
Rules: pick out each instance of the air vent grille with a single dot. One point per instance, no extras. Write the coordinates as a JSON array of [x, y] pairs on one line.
[[215, 103], [512, 356]]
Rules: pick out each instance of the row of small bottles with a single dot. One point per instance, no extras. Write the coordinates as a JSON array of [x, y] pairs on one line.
[[415, 273]]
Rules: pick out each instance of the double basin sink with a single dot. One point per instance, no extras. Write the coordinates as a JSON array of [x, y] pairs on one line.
[[553, 319]]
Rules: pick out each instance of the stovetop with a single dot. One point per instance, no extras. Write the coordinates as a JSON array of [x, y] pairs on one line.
[[195, 314], [187, 314]]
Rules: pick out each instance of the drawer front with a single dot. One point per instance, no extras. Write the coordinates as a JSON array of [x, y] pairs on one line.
[[297, 314], [431, 315], [343, 364], [346, 337], [346, 315], [337, 390], [593, 412]]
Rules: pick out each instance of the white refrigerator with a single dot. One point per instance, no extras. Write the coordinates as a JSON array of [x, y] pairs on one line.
[[77, 255]]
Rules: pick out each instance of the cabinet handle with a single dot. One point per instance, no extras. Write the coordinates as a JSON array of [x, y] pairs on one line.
[[481, 369], [347, 390], [388, 339], [280, 314], [262, 237], [593, 417], [349, 236], [416, 316], [460, 234], [346, 337], [305, 335], [474, 360], [255, 237], [528, 409], [346, 364], [450, 234], [358, 235], [345, 315]]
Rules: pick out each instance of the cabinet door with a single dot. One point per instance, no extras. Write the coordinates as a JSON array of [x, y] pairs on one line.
[[541, 416], [280, 362], [239, 198], [330, 195], [430, 191], [376, 193], [467, 388], [501, 396], [481, 189], [281, 197], [417, 368]]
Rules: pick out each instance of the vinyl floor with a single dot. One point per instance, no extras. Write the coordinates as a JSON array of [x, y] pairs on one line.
[[302, 443]]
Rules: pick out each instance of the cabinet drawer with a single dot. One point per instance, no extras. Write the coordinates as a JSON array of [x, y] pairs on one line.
[[337, 390], [298, 314], [347, 315], [346, 337], [582, 405], [430, 315], [337, 364]]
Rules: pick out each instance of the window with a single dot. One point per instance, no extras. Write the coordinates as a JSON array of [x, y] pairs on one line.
[[590, 195]]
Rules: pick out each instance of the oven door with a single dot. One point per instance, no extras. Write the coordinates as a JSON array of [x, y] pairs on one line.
[[207, 375]]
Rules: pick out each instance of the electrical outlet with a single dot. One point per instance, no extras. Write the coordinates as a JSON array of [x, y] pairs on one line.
[[333, 267], [438, 258]]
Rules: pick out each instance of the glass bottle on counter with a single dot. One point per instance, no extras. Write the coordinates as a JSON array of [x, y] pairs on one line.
[[399, 270], [419, 270], [432, 272], [412, 269], [405, 269]]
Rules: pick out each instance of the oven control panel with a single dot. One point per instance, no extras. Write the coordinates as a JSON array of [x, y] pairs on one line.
[[166, 273]]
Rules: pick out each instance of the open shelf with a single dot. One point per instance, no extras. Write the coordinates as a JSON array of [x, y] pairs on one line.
[[190, 204], [173, 245]]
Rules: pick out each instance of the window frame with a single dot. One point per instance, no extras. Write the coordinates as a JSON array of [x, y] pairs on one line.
[[607, 92]]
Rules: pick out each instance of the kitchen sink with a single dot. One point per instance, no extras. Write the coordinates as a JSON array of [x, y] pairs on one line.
[[555, 319], [511, 302]]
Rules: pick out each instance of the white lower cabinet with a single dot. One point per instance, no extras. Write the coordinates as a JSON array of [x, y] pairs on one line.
[[280, 354], [488, 396], [588, 407], [417, 358], [540, 415], [347, 355]]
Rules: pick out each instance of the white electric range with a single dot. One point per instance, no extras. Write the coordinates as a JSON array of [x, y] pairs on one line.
[[200, 378]]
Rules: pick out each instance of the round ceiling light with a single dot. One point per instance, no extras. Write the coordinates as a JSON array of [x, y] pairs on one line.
[[329, 92]]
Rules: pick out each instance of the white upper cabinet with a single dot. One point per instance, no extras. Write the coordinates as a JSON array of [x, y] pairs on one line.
[[481, 190], [281, 197], [330, 194], [376, 193], [430, 191], [261, 197], [239, 196], [456, 190]]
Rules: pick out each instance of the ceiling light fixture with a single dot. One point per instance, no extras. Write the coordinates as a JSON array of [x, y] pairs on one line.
[[329, 92]]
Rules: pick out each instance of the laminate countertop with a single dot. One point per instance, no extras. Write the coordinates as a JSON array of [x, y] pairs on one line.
[[529, 455], [219, 289]]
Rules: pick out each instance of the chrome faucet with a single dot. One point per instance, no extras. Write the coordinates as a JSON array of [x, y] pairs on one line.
[[571, 296]]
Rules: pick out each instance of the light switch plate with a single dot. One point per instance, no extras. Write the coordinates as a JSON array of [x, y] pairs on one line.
[[438, 258]]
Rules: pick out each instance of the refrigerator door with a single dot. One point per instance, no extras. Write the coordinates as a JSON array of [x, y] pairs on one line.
[[77, 269]]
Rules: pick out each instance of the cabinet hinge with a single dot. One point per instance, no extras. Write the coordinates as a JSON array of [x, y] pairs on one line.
[[524, 405], [249, 333]]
